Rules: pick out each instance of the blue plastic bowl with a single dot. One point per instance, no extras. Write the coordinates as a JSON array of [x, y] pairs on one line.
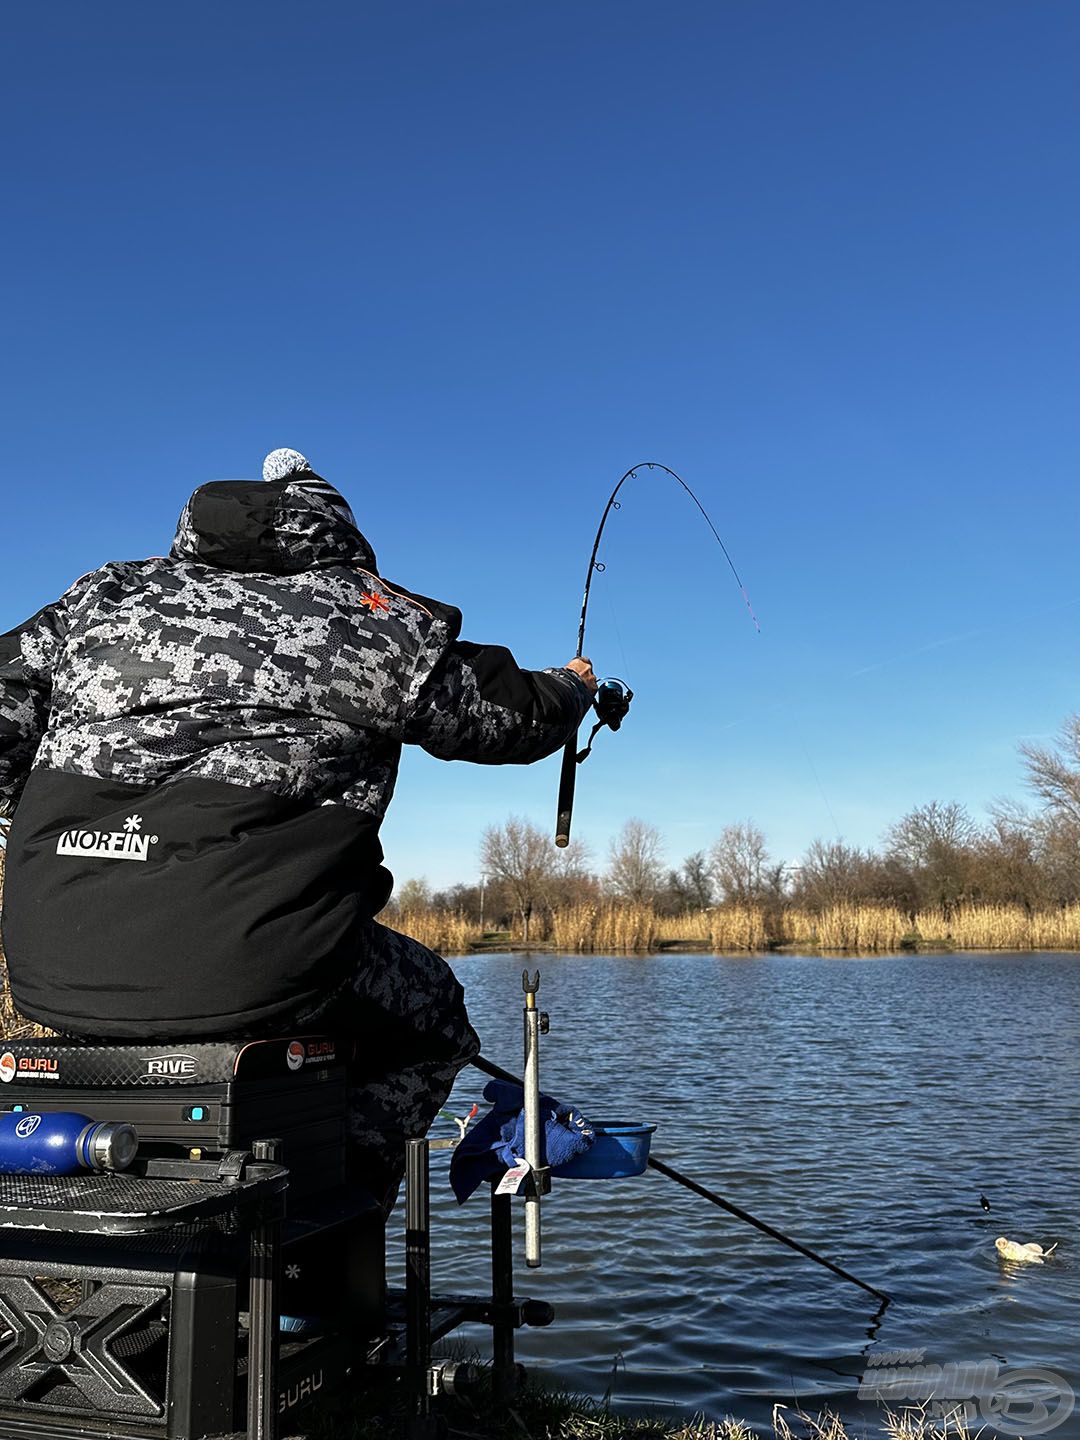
[[618, 1150]]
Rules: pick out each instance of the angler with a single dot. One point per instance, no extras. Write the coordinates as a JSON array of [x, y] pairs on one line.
[[232, 716]]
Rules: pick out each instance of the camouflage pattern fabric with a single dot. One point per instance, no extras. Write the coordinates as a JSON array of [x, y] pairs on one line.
[[303, 679], [406, 1012]]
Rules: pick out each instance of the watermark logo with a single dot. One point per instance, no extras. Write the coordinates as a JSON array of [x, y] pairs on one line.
[[126, 844], [1014, 1399]]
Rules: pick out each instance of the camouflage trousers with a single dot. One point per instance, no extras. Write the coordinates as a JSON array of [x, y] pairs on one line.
[[405, 1014]]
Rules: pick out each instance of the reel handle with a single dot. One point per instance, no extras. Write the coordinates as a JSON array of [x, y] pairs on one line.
[[567, 783]]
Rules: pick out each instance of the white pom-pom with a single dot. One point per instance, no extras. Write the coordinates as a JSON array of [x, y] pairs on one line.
[[280, 464]]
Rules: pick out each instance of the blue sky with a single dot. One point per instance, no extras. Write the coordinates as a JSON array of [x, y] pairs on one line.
[[477, 259]]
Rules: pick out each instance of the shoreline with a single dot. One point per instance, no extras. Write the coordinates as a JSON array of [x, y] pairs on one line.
[[704, 947]]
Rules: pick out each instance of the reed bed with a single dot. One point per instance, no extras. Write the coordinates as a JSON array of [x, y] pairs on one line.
[[1005, 927], [604, 927], [863, 928], [857, 929], [444, 931]]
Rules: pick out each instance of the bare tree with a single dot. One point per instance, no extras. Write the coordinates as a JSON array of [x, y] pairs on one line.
[[635, 869], [574, 881], [742, 867], [413, 897], [1030, 857], [934, 843], [831, 872], [522, 856], [1054, 773], [690, 887]]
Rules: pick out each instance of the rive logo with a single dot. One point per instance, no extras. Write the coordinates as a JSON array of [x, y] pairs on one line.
[[170, 1067], [126, 844]]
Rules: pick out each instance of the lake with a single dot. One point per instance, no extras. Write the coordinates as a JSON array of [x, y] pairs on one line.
[[860, 1105]]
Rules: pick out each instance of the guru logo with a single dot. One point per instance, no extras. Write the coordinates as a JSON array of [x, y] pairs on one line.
[[27, 1125], [7, 1067], [126, 844], [170, 1067], [296, 1055]]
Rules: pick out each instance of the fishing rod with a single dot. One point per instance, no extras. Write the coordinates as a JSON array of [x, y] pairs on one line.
[[662, 1168], [613, 696]]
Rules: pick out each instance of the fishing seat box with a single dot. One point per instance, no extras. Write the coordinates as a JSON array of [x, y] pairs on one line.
[[181, 1370], [213, 1097]]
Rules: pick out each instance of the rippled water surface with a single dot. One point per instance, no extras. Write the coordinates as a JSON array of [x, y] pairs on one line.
[[861, 1105]]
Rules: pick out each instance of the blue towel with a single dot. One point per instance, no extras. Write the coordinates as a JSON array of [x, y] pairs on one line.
[[498, 1140]]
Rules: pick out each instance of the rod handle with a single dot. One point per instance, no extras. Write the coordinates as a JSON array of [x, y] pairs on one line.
[[567, 781]]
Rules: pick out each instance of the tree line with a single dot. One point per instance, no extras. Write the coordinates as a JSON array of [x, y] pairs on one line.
[[937, 856]]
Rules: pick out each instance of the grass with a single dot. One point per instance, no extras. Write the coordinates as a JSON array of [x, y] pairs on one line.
[[379, 1412]]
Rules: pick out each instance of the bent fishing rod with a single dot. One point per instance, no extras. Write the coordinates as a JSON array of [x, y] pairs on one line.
[[488, 1067], [613, 696]]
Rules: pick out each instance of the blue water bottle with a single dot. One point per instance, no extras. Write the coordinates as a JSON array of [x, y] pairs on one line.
[[60, 1142]]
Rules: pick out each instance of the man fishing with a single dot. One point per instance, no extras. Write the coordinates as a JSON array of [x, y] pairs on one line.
[[202, 748]]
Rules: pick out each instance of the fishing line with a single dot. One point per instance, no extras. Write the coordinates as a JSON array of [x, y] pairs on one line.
[[488, 1067], [614, 503], [817, 777], [613, 697], [618, 634]]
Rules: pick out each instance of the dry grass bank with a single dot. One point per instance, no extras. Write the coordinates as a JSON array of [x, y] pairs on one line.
[[857, 929], [547, 1414]]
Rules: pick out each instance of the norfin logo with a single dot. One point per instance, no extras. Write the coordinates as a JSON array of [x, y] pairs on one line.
[[125, 844]]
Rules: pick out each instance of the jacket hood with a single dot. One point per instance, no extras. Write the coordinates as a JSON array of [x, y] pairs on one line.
[[271, 526]]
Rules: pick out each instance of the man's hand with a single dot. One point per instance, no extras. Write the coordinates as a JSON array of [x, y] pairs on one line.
[[583, 667]]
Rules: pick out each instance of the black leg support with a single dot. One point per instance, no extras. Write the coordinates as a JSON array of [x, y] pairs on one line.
[[504, 1368], [418, 1285], [264, 1321]]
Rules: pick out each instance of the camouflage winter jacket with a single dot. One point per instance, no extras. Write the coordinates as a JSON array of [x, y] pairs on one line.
[[202, 748]]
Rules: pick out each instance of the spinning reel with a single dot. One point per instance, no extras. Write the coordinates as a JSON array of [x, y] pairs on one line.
[[612, 705]]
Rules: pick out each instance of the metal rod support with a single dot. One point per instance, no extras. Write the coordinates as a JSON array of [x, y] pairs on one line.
[[263, 1318], [418, 1275], [534, 1136], [504, 1368]]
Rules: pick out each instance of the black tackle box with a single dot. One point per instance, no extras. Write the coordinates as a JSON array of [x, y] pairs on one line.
[[209, 1097]]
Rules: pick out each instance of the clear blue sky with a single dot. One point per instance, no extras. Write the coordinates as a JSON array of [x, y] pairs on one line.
[[476, 259]]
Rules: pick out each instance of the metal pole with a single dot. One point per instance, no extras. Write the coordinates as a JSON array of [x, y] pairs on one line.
[[534, 1137], [504, 1368], [418, 1276], [263, 1319]]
